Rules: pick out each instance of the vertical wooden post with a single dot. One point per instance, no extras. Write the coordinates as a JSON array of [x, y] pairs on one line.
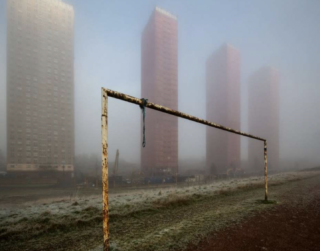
[[104, 138], [265, 171]]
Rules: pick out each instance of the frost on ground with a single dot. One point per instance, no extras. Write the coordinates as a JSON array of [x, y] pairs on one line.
[[140, 219], [135, 200]]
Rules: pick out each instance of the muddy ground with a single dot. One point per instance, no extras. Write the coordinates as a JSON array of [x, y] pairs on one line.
[[294, 225], [150, 219]]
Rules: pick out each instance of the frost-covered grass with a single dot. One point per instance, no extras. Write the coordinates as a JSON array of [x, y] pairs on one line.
[[140, 219]]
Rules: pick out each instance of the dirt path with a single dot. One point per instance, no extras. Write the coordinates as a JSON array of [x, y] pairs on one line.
[[294, 225]]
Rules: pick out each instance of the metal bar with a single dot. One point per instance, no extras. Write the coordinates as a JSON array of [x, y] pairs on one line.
[[104, 132], [265, 171], [167, 110], [104, 136]]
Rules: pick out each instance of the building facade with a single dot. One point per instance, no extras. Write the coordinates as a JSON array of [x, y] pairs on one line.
[[40, 86], [159, 84], [223, 107], [263, 115]]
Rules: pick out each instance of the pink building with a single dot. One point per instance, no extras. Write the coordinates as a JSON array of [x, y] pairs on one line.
[[223, 107], [263, 113], [159, 84]]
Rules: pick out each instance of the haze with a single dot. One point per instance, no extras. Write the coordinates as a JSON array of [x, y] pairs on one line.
[[283, 34]]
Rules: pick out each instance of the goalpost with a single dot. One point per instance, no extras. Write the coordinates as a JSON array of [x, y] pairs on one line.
[[105, 93]]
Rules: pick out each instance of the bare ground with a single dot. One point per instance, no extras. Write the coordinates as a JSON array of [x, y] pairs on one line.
[[294, 225]]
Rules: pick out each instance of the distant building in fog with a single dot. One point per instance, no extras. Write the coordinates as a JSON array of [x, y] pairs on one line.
[[159, 83], [40, 86], [223, 107], [263, 114]]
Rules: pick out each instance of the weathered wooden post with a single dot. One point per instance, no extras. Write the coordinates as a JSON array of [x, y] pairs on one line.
[[265, 172], [104, 136]]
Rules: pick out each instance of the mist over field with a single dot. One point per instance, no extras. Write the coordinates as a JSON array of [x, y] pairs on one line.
[[107, 43]]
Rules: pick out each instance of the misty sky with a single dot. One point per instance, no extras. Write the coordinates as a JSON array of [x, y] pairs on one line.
[[280, 33]]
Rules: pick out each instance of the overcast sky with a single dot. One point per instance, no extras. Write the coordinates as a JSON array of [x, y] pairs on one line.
[[280, 33]]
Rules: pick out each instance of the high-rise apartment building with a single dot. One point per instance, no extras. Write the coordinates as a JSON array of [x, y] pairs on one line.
[[223, 107], [40, 86], [159, 84], [263, 114]]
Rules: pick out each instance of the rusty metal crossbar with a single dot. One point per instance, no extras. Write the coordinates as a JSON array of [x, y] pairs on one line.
[[105, 93]]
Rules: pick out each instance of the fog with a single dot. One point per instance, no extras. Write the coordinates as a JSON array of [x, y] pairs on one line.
[[282, 34]]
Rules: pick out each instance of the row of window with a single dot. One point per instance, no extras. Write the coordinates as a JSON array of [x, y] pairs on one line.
[[40, 157], [42, 153], [41, 104], [41, 7], [44, 144], [22, 58], [30, 166], [38, 128], [39, 87], [42, 136], [44, 161], [26, 52], [62, 96], [43, 149], [45, 113], [33, 39], [35, 153]]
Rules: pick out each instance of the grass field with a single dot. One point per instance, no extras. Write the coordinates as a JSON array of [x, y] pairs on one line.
[[151, 219]]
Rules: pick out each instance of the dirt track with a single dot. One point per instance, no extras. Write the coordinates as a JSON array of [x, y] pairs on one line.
[[293, 225]]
